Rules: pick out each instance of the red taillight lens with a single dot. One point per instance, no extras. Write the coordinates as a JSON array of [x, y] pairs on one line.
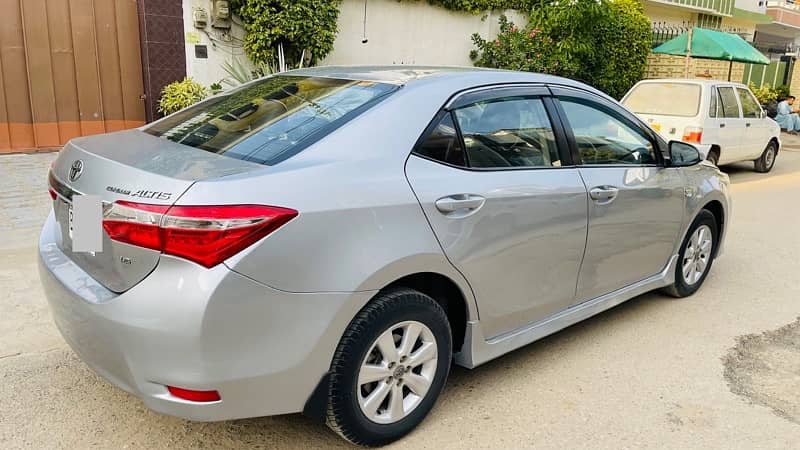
[[206, 235], [194, 396], [52, 193], [693, 135]]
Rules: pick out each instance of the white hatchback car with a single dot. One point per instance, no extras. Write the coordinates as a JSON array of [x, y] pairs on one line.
[[722, 119]]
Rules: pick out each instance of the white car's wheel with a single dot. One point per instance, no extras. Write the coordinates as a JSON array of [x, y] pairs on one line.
[[766, 161]]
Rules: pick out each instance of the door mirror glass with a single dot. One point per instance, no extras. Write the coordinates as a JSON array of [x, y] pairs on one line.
[[682, 154]]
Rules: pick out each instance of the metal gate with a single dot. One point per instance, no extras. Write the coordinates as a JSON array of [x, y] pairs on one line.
[[67, 68]]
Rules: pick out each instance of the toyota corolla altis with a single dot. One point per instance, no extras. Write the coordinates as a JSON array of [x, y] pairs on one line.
[[328, 240]]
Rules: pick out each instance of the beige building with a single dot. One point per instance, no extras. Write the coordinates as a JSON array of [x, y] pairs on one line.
[[672, 17]]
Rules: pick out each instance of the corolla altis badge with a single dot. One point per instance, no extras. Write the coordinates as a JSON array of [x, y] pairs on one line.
[[76, 170], [141, 193]]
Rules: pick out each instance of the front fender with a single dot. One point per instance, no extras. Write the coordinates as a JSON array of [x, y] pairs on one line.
[[706, 184]]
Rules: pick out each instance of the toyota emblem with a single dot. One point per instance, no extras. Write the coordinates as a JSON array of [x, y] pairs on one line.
[[76, 170]]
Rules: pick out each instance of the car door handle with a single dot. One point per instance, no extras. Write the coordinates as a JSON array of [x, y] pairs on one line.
[[459, 202], [747, 125], [603, 194], [722, 125]]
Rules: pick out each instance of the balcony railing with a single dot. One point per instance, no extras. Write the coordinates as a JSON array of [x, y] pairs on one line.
[[724, 7], [664, 31], [785, 4]]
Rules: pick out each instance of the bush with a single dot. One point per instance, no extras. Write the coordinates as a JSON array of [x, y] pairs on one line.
[[766, 93], [600, 42], [302, 27], [180, 94], [783, 92]]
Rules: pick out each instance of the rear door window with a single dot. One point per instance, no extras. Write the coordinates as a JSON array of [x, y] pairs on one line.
[[272, 119], [443, 143], [508, 132], [730, 106]]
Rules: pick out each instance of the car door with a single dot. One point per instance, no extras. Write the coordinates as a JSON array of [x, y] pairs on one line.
[[731, 125], [756, 131], [494, 179], [635, 203]]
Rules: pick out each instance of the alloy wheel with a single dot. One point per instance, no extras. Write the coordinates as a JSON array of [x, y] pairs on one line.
[[697, 255], [397, 372]]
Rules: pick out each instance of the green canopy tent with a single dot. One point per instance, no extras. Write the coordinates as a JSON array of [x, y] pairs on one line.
[[709, 44]]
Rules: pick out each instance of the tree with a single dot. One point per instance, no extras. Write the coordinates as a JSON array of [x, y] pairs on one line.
[[301, 27], [603, 43]]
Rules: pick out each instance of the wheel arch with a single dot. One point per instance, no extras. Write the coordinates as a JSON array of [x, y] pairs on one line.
[[777, 143], [718, 211], [455, 298], [715, 148], [447, 294]]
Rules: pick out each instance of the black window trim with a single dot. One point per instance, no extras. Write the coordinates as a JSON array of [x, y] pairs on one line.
[[482, 93], [616, 111]]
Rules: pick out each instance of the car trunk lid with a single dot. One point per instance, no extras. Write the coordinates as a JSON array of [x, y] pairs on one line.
[[127, 166]]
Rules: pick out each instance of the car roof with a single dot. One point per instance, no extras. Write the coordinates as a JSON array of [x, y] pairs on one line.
[[457, 77]]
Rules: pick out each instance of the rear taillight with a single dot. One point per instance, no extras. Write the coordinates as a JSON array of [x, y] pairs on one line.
[[52, 193], [206, 235], [692, 134]]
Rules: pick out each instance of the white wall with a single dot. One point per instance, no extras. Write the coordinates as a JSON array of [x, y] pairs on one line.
[[759, 6], [208, 71], [409, 32]]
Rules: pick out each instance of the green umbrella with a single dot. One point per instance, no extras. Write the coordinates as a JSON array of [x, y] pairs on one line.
[[709, 44]]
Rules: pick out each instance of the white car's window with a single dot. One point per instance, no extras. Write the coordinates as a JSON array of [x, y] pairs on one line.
[[649, 98], [605, 139], [714, 108], [508, 132], [750, 106], [730, 106]]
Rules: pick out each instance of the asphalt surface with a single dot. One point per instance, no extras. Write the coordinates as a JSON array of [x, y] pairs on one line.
[[718, 370]]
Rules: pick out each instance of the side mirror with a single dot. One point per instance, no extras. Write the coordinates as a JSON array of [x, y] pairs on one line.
[[682, 154]]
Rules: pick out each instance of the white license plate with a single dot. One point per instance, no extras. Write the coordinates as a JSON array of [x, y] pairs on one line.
[[84, 222]]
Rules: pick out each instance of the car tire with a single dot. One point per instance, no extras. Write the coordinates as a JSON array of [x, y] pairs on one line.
[[688, 276], [713, 157], [353, 411], [766, 161]]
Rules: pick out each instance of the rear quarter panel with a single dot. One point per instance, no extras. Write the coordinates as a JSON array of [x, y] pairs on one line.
[[359, 227]]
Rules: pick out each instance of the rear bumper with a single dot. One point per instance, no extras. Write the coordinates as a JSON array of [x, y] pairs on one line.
[[264, 350]]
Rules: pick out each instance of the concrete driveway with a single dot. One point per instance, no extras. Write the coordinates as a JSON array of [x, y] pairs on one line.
[[654, 372]]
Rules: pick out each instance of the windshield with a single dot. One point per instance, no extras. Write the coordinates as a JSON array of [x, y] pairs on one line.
[[665, 99], [272, 119]]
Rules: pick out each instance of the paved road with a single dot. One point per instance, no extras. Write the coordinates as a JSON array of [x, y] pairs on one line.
[[653, 373]]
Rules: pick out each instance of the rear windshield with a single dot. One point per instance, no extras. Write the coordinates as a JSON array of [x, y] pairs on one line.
[[664, 99], [272, 119]]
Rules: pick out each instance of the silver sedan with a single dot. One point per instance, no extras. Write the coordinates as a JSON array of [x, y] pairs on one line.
[[329, 240]]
